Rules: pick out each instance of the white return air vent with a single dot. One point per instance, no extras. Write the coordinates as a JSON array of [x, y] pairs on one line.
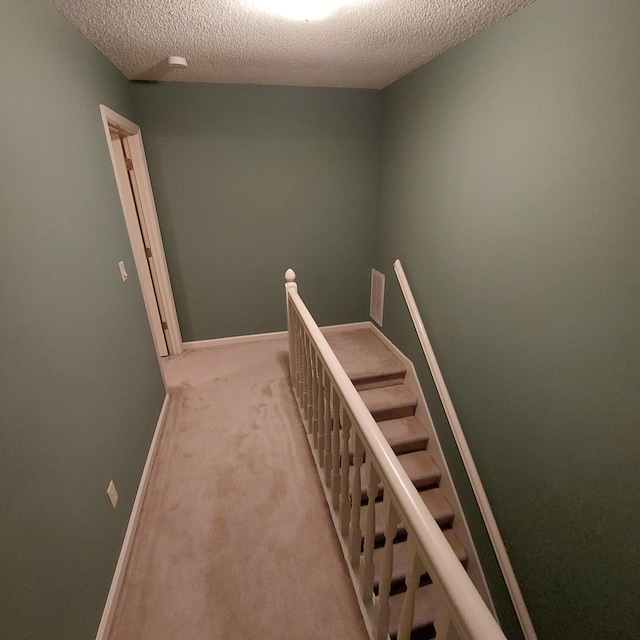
[[376, 303]]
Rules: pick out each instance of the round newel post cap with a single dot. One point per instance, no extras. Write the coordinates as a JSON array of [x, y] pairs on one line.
[[290, 275]]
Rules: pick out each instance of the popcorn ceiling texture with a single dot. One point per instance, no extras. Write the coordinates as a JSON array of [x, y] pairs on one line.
[[367, 45]]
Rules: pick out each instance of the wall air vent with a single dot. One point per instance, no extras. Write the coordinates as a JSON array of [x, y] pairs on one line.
[[376, 303]]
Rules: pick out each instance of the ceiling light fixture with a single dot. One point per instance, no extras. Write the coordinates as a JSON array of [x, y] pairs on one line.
[[299, 9]]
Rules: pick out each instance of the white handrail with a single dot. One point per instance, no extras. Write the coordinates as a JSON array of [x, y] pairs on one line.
[[469, 613], [467, 459]]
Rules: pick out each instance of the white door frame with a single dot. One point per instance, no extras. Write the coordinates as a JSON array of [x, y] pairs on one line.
[[173, 343]]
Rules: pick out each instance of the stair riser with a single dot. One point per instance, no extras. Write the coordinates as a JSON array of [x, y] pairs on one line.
[[402, 561], [391, 413], [420, 484], [422, 633], [399, 586], [401, 532], [407, 446], [424, 619], [378, 382]]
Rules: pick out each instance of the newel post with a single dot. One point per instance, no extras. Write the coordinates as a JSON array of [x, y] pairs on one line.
[[290, 286]]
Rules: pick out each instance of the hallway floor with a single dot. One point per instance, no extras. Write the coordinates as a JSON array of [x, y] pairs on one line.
[[235, 539]]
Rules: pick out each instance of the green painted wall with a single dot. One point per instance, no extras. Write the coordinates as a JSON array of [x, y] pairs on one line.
[[250, 180], [81, 389], [511, 193]]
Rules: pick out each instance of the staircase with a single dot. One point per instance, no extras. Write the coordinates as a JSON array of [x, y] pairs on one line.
[[381, 380]]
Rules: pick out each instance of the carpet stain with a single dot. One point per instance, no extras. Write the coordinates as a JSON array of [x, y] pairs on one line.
[[234, 539]]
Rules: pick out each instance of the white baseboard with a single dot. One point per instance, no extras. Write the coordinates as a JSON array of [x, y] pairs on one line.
[[258, 337], [217, 342], [333, 328], [125, 551]]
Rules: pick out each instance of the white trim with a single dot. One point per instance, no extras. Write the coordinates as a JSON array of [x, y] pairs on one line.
[[157, 247], [335, 328], [259, 337], [217, 342], [127, 543], [134, 140], [467, 459]]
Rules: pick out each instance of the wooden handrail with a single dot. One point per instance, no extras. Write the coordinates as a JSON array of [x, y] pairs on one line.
[[468, 611], [467, 459]]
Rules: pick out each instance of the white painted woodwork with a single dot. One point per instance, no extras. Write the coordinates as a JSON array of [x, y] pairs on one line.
[[345, 499], [368, 567], [412, 581], [355, 531], [116, 128], [314, 399], [469, 613], [335, 456], [321, 420], [382, 609], [467, 459], [327, 430], [191, 345]]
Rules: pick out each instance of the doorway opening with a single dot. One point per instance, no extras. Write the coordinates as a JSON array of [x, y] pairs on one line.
[[134, 187]]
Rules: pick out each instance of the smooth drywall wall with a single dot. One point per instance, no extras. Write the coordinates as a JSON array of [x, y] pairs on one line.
[[511, 194], [81, 388], [251, 180]]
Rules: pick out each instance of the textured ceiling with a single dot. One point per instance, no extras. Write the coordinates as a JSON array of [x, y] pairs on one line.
[[366, 45]]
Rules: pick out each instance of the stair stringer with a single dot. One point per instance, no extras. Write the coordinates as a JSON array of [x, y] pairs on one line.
[[460, 526]]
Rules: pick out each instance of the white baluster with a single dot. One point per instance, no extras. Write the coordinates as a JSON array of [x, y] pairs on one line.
[[311, 355], [345, 504], [313, 413], [299, 359], [291, 286], [320, 405], [306, 400], [368, 568], [412, 581], [355, 532], [382, 610], [335, 449], [301, 356], [327, 429]]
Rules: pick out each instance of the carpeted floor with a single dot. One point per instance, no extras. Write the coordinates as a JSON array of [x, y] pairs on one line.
[[235, 539]]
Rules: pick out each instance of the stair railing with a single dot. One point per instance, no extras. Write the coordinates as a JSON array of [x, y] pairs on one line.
[[467, 459], [335, 416]]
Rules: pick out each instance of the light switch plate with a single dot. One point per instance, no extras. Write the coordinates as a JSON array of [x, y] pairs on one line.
[[123, 271], [113, 494]]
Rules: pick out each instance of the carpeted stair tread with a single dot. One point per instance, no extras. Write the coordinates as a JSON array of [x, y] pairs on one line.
[[423, 616], [402, 558], [438, 506], [435, 501], [419, 465], [405, 435], [387, 403], [421, 468], [365, 358]]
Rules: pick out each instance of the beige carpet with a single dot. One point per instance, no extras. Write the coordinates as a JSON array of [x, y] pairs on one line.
[[235, 539]]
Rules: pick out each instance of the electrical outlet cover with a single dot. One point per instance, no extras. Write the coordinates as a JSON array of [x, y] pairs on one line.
[[113, 494]]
